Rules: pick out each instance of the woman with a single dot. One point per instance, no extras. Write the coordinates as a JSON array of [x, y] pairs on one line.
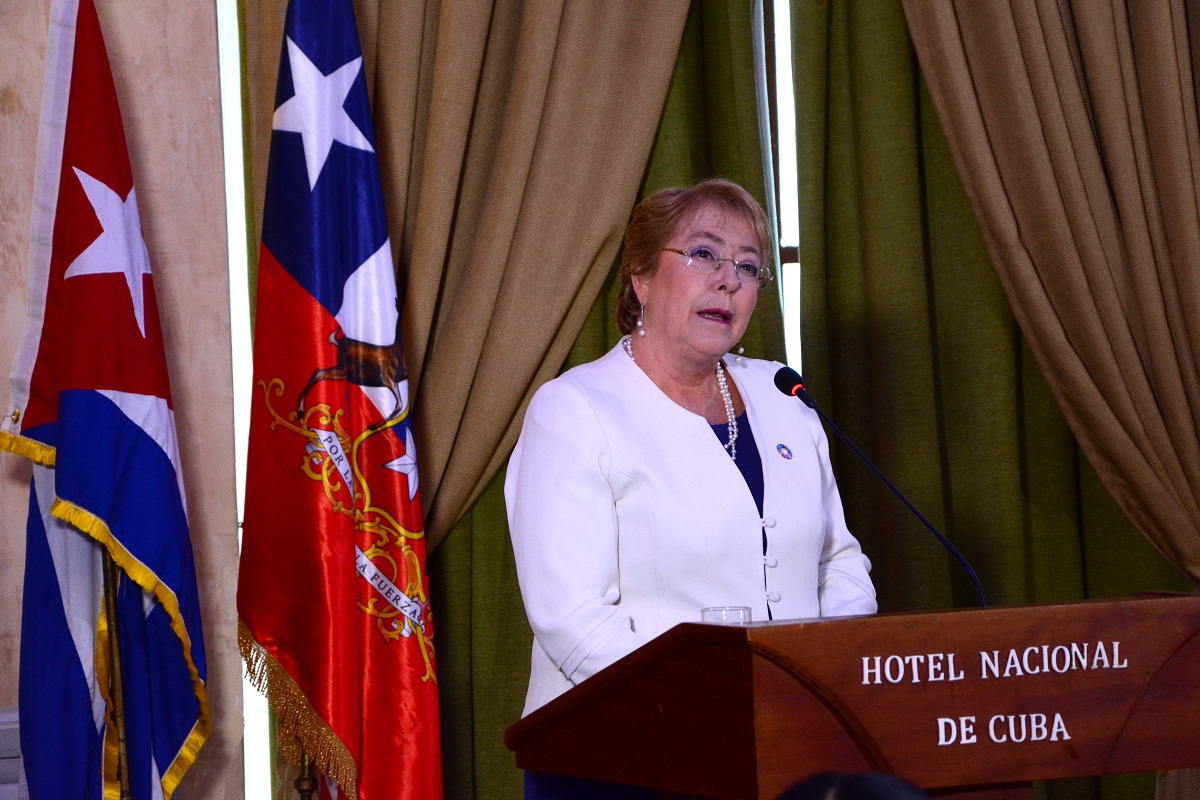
[[667, 476]]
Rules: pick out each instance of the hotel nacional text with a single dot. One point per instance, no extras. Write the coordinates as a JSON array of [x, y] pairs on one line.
[[1014, 664]]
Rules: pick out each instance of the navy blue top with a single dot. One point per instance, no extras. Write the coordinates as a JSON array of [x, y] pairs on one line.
[[748, 460], [544, 786]]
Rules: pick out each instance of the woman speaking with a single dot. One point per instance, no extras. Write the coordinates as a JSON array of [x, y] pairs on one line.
[[668, 475]]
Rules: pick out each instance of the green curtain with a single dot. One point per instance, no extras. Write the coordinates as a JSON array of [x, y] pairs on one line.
[[709, 127], [910, 344]]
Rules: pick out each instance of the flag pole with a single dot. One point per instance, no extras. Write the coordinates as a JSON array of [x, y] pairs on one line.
[[116, 685], [305, 783]]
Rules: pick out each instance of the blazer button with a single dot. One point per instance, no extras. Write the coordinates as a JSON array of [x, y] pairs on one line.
[[768, 522], [773, 597], [771, 561]]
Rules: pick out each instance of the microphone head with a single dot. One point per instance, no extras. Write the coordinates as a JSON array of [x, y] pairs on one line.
[[788, 381]]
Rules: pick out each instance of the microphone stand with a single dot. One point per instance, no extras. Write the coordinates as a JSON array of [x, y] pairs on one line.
[[800, 392]]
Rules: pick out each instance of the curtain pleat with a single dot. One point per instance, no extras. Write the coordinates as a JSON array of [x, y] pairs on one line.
[[1074, 128], [910, 337], [526, 154]]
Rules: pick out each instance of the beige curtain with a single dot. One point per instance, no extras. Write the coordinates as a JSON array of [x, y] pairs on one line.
[[1073, 126], [512, 139]]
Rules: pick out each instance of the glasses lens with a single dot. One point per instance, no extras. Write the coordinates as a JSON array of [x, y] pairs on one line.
[[746, 271], [702, 258]]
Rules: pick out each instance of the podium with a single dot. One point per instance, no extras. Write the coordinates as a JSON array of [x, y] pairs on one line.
[[968, 701]]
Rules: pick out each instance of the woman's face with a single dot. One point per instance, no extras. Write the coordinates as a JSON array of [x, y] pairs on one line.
[[695, 315]]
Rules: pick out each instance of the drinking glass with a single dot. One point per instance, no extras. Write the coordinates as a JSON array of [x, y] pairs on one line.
[[725, 615]]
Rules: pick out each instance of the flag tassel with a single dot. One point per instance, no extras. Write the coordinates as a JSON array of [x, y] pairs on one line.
[[302, 732], [34, 450], [137, 572]]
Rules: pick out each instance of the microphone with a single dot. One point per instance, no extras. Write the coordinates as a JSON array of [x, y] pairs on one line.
[[788, 381]]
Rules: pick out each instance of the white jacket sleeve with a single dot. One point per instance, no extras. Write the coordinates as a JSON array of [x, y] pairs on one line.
[[563, 523], [844, 587]]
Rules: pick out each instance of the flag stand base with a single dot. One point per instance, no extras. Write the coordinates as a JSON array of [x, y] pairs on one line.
[[305, 783]]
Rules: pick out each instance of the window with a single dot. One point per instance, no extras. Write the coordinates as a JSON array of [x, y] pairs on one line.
[[783, 137]]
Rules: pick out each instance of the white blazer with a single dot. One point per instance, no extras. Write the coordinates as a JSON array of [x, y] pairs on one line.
[[627, 517]]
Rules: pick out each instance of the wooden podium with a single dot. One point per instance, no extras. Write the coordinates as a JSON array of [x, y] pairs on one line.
[[953, 701]]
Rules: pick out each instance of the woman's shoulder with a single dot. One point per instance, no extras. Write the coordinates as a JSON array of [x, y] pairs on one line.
[[587, 384], [598, 372]]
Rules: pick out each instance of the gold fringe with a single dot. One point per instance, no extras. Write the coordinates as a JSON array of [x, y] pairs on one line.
[[187, 756], [145, 578], [32, 449], [301, 729]]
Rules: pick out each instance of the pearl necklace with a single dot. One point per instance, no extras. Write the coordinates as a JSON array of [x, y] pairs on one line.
[[726, 398]]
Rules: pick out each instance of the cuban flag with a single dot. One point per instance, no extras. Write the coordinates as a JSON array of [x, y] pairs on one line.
[[333, 594], [90, 405]]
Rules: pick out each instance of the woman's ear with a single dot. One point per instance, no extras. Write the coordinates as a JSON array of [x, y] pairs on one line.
[[641, 286]]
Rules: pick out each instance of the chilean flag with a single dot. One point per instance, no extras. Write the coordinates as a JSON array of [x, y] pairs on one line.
[[333, 593], [90, 404]]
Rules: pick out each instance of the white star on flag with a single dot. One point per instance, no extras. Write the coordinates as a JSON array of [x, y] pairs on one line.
[[120, 247], [315, 111], [407, 464]]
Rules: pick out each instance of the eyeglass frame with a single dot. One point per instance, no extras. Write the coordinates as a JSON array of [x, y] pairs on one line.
[[764, 272]]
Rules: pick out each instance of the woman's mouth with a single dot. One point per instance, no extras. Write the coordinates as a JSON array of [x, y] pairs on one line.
[[715, 314]]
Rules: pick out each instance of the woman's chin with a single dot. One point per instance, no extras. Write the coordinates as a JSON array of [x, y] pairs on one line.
[[714, 347]]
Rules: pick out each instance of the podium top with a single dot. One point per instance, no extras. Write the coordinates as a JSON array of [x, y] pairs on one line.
[[944, 699]]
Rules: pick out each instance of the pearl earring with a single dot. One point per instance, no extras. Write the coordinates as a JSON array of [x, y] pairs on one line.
[[738, 357], [641, 323]]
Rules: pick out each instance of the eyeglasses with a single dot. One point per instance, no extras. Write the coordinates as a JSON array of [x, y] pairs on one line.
[[703, 259]]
